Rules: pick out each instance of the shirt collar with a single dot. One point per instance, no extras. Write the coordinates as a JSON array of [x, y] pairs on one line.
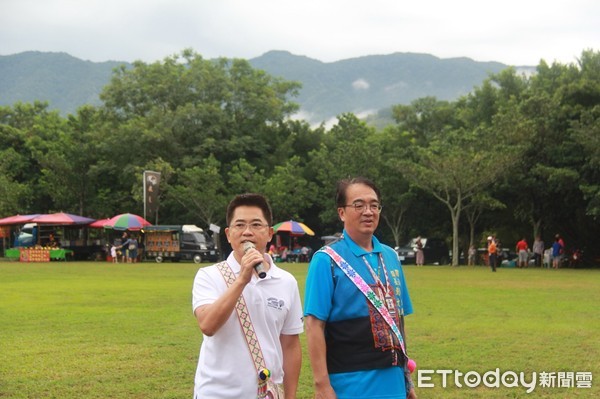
[[359, 251], [274, 271]]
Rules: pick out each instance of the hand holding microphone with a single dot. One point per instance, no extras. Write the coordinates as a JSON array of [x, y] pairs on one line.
[[259, 267]]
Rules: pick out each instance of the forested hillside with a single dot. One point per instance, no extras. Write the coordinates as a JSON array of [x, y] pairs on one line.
[[359, 85], [371, 83], [65, 82]]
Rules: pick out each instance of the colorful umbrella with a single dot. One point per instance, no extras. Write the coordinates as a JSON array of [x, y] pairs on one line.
[[17, 219], [293, 227], [127, 221], [99, 224], [61, 218]]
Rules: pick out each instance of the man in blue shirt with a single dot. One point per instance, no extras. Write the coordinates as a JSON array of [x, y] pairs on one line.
[[353, 351]]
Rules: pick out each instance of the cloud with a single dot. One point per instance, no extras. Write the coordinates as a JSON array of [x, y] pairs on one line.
[[515, 32], [360, 84], [396, 86]]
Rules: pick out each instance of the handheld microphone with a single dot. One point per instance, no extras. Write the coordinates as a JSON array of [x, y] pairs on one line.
[[260, 269]]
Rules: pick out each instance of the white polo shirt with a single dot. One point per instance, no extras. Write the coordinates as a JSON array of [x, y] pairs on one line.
[[225, 367]]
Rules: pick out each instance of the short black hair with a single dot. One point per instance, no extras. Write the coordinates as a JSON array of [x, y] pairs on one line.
[[342, 188], [250, 199]]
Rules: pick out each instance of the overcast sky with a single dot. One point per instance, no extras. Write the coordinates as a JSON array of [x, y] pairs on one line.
[[514, 32]]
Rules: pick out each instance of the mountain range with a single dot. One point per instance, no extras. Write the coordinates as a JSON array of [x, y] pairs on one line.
[[363, 85]]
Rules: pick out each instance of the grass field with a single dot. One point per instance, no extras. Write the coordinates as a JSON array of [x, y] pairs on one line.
[[99, 330]]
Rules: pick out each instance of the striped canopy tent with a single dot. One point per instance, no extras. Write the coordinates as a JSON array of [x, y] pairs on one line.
[[17, 219]]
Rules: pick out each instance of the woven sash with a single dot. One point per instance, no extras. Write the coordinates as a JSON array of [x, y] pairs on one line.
[[367, 291], [264, 384]]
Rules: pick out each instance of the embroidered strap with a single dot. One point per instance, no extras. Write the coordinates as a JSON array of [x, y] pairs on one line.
[[245, 321], [264, 380], [367, 291]]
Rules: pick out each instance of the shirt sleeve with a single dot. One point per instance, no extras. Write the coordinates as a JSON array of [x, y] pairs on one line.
[[406, 302], [205, 290], [319, 287], [294, 323]]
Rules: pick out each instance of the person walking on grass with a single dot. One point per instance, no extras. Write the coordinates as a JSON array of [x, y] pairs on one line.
[[492, 253], [354, 353], [250, 324]]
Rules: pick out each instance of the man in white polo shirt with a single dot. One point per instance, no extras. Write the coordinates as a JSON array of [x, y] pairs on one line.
[[226, 368]]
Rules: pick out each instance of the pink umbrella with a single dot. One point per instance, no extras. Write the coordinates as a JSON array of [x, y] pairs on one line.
[[61, 218], [17, 219]]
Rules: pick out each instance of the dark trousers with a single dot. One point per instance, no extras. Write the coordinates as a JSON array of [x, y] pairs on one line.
[[537, 258], [493, 260]]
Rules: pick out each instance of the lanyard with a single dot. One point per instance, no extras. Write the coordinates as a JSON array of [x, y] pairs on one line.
[[375, 274]]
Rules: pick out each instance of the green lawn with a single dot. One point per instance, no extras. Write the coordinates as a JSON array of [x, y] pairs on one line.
[[100, 330]]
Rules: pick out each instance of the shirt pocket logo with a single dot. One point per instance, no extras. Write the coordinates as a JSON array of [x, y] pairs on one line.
[[275, 303]]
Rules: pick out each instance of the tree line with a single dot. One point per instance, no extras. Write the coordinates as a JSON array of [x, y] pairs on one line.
[[518, 156]]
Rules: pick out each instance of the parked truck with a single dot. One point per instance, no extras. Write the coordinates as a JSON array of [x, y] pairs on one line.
[[177, 242]]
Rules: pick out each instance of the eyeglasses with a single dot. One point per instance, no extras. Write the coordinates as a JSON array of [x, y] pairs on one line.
[[360, 207], [254, 226]]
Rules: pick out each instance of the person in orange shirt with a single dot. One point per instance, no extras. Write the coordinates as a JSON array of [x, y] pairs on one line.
[[492, 253]]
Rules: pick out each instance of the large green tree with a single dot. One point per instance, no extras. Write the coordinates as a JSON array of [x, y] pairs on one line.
[[585, 96], [185, 110], [348, 150], [546, 187], [458, 160], [29, 132]]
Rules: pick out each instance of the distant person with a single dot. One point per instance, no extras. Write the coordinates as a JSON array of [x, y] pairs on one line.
[[562, 245], [123, 247], [557, 250], [247, 321], [522, 252], [283, 251], [538, 251], [132, 250], [304, 254], [113, 254], [52, 243], [500, 255], [419, 255], [492, 253], [274, 253], [472, 255], [129, 248]]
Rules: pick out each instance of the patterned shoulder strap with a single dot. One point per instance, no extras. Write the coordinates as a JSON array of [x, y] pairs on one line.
[[367, 291], [245, 320]]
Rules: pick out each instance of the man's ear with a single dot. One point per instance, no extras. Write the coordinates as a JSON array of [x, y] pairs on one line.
[[341, 213]]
